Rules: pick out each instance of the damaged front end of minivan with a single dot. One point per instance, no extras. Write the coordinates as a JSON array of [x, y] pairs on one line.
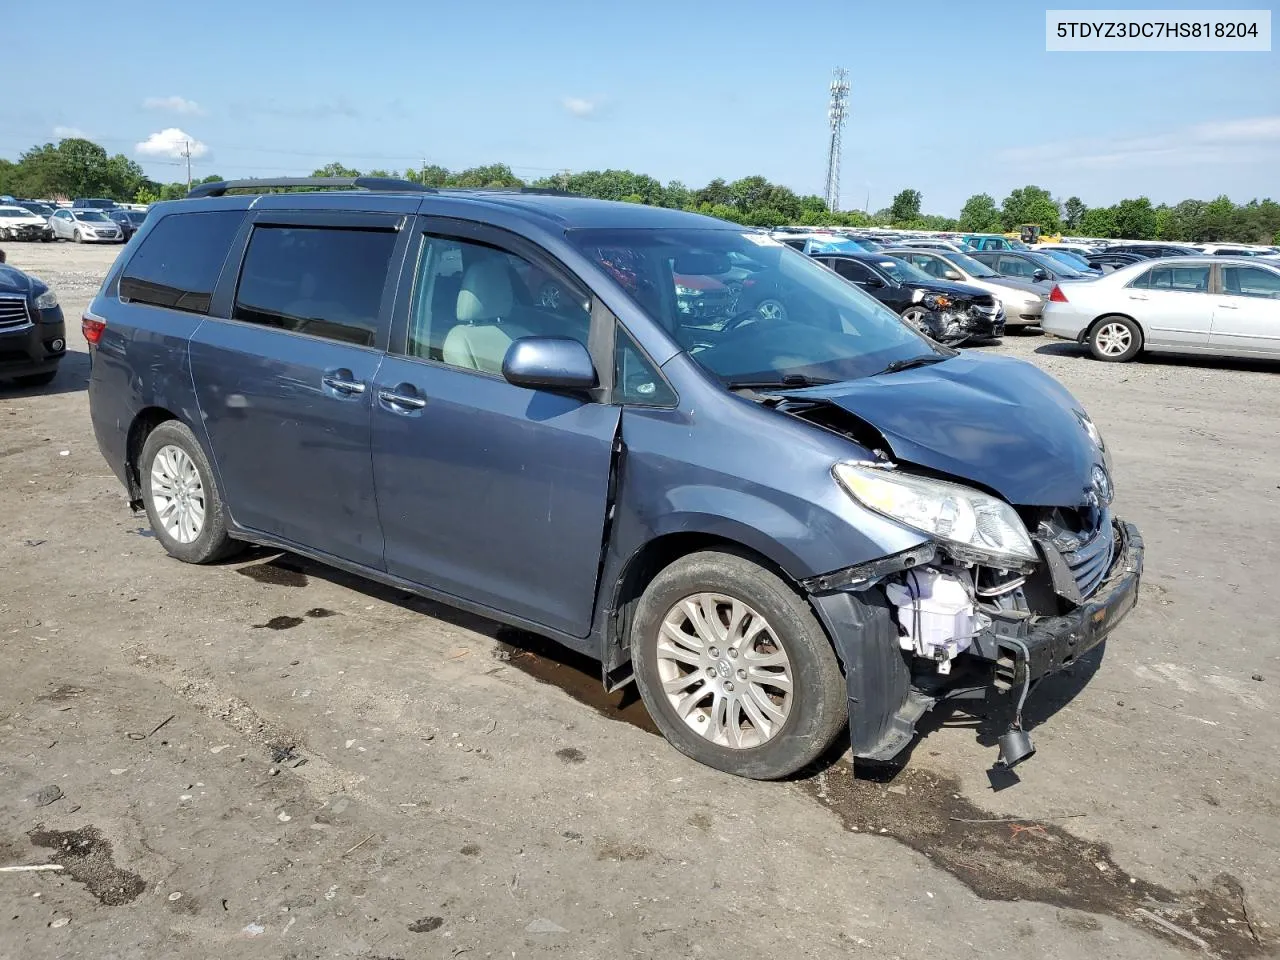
[[1000, 595]]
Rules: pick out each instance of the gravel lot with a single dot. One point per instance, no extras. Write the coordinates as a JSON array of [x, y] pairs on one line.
[[270, 758]]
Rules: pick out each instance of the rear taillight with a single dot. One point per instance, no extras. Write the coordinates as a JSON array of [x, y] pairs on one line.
[[1057, 296], [92, 325]]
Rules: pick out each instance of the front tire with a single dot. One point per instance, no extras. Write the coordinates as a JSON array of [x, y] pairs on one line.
[[1115, 339], [735, 669], [181, 495], [76, 237]]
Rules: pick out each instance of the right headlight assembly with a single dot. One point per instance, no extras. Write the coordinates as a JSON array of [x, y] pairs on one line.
[[984, 528]]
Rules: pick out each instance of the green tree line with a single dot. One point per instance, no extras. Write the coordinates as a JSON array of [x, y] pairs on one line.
[[78, 167]]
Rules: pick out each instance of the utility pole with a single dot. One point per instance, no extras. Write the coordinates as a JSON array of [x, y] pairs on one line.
[[836, 114], [186, 152], [423, 175]]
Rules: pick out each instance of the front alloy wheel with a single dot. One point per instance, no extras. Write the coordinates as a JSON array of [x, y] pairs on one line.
[[724, 671], [734, 668]]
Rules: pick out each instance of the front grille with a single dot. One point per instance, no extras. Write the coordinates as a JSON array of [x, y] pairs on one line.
[[1086, 541], [1091, 561], [14, 313]]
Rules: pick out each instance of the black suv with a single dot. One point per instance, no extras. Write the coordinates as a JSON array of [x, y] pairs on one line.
[[33, 337]]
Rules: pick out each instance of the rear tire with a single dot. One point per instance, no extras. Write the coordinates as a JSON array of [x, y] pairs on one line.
[[1115, 339], [183, 503], [765, 696]]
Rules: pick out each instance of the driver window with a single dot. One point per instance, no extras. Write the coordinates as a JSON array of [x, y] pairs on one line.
[[930, 265], [852, 270], [471, 300]]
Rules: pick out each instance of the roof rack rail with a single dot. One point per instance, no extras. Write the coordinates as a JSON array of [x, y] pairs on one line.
[[546, 191], [391, 184]]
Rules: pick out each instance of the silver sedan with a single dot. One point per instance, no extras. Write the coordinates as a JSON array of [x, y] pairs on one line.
[[1208, 305], [85, 226]]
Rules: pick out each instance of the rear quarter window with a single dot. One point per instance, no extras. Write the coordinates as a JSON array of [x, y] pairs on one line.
[[179, 260]]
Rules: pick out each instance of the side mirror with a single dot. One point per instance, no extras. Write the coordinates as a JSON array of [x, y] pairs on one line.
[[952, 275], [1040, 274], [549, 363], [873, 281]]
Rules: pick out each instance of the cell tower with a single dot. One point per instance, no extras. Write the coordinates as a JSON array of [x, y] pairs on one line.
[[836, 114]]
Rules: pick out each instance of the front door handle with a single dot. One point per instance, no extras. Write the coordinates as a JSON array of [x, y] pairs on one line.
[[1134, 296], [1227, 306], [342, 381], [399, 397]]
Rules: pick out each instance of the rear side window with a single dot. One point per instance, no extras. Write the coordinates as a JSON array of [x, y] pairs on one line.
[[322, 281], [178, 263], [1181, 279]]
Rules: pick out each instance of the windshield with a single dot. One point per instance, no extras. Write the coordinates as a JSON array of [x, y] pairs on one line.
[[14, 212], [1073, 260], [1055, 266], [91, 215], [975, 268], [39, 209], [791, 318], [836, 245], [903, 272]]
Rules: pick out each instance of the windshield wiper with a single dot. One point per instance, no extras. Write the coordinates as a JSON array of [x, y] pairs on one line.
[[910, 362], [789, 382]]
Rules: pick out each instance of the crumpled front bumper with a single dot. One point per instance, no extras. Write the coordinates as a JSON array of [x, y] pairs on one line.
[[1054, 643], [886, 700]]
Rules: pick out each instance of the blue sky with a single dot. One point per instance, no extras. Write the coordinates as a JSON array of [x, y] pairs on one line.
[[949, 98]]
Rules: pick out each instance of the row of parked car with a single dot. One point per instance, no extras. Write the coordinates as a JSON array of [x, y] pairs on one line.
[[85, 221], [1117, 299]]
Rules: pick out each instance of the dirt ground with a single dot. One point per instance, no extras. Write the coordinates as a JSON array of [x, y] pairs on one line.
[[272, 759]]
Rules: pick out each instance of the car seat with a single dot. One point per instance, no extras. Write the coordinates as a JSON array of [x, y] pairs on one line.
[[480, 339]]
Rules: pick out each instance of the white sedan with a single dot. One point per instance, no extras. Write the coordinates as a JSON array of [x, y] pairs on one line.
[[1208, 305]]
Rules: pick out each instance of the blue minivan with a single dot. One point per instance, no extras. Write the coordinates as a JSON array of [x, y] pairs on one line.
[[780, 525]]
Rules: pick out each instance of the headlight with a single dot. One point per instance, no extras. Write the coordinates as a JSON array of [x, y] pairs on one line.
[[47, 300], [686, 291], [983, 525]]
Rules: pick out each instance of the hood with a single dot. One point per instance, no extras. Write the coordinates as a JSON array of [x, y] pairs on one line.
[[13, 280], [949, 288], [21, 218], [995, 421]]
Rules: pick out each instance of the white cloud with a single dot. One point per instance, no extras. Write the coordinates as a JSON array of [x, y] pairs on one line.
[[173, 143], [1247, 140], [173, 105], [62, 133], [580, 106]]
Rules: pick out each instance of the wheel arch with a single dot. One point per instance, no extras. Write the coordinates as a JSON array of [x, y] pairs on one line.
[[1113, 315], [145, 421], [652, 557]]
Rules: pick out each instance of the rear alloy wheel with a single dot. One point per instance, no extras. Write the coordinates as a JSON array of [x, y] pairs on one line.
[[1115, 339], [181, 496], [734, 668]]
